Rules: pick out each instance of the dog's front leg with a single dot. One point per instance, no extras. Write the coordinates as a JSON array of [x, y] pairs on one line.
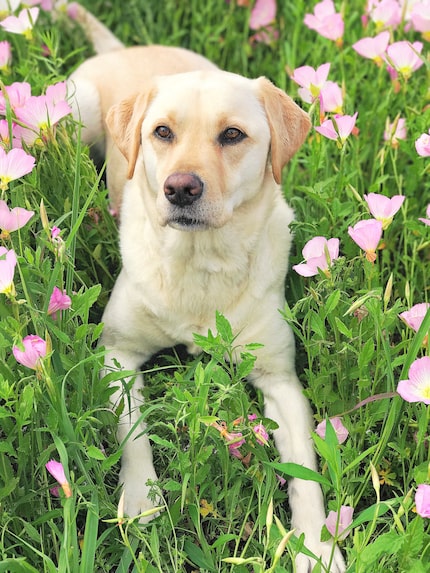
[[286, 404], [136, 465]]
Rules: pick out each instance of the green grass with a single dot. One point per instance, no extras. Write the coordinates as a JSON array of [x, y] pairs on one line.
[[217, 508]]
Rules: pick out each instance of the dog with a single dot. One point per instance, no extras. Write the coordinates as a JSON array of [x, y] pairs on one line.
[[194, 162]]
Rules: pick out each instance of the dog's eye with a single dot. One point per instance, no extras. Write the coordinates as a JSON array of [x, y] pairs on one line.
[[163, 132], [231, 136]]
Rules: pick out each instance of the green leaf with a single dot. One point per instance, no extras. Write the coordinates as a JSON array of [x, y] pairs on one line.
[[16, 566], [332, 301], [297, 471], [386, 544], [89, 547], [95, 453], [196, 555]]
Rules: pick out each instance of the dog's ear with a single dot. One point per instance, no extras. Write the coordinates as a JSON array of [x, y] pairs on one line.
[[288, 123], [124, 121]]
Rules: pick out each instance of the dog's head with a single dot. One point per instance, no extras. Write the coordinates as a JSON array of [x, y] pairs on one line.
[[204, 143]]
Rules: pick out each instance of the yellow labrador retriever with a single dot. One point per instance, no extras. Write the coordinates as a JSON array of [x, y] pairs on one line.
[[194, 162]]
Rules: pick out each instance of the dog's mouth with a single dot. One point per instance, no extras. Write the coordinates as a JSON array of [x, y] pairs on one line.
[[184, 223]]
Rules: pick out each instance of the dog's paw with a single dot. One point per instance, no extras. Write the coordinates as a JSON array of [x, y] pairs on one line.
[[137, 498], [328, 555]]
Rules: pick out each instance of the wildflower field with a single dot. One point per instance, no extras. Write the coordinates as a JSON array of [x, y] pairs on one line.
[[357, 300]]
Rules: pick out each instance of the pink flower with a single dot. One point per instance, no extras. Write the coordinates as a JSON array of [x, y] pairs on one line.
[[337, 524], [17, 93], [21, 24], [383, 208], [14, 219], [263, 14], [5, 135], [404, 57], [420, 18], [415, 315], [367, 235], [55, 233], [326, 21], [5, 56], [319, 253], [426, 221], [373, 48], [234, 441], [261, 434], [331, 98], [14, 165], [59, 301], [338, 128], [341, 432], [7, 270], [57, 471], [8, 6], [386, 14], [41, 113], [34, 351], [395, 131], [310, 80], [422, 145], [417, 387], [422, 500]]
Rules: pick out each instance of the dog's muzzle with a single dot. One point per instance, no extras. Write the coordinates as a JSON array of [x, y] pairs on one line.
[[183, 191]]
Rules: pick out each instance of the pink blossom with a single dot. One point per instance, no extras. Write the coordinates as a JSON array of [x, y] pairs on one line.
[[34, 351], [8, 6], [55, 233], [331, 98], [263, 14], [13, 219], [17, 94], [422, 500], [341, 432], [5, 56], [7, 269], [234, 441], [386, 14], [417, 387], [261, 434], [5, 135], [326, 21], [422, 145], [420, 18], [21, 24], [373, 48], [41, 113], [337, 524], [415, 315], [56, 469], [395, 131], [383, 208], [59, 301], [319, 253], [367, 235], [338, 128], [310, 81], [426, 221], [404, 57], [13, 165]]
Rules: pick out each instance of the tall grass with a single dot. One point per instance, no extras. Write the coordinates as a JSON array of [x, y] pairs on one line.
[[219, 513]]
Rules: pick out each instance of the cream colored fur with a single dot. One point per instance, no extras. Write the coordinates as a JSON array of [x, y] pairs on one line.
[[219, 241]]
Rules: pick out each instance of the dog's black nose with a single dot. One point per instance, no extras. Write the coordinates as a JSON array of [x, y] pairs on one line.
[[182, 189]]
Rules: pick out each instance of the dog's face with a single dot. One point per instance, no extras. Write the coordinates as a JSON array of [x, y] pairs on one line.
[[208, 140]]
